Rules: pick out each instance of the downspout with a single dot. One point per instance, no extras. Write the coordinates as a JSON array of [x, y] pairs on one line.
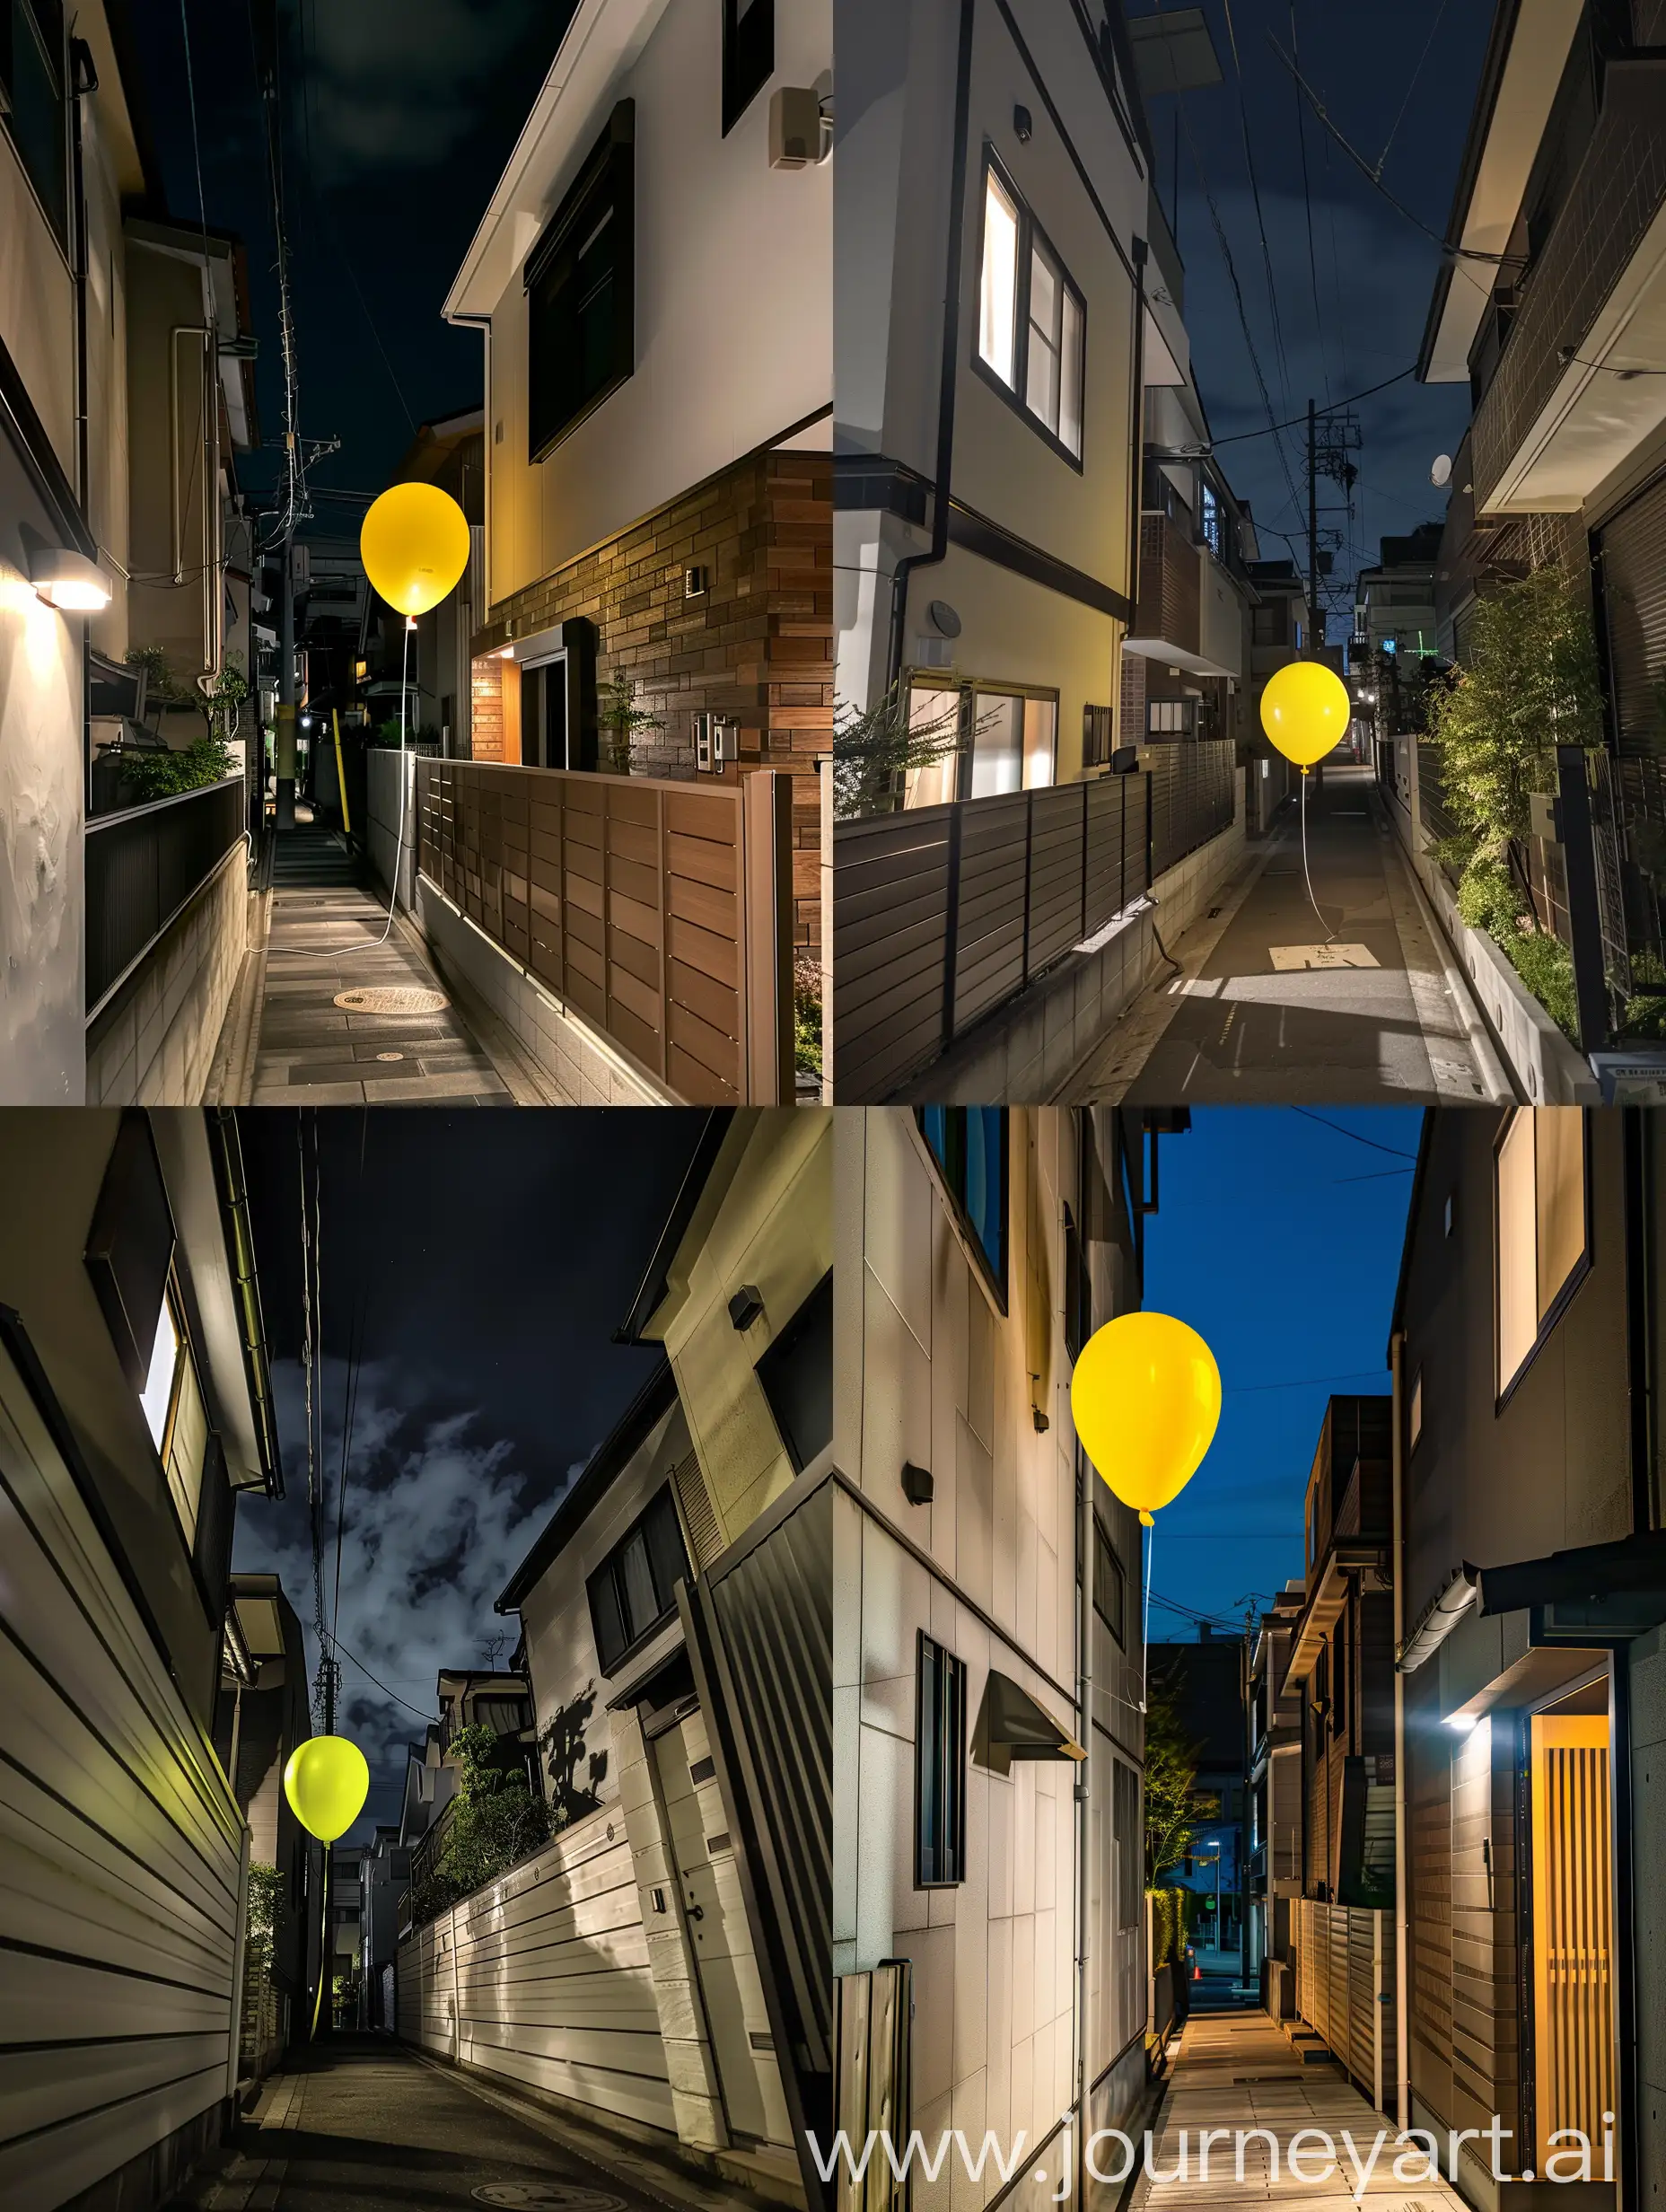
[[1136, 442], [1402, 1930], [909, 562], [84, 80]]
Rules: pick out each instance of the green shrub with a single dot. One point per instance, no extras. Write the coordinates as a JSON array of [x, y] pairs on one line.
[[492, 1822], [1546, 966], [164, 775], [807, 1013]]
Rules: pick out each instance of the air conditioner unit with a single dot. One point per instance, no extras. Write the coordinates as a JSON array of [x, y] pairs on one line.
[[801, 135]]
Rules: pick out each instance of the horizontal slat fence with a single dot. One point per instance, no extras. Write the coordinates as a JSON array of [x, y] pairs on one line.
[[543, 1976], [121, 1860], [942, 913], [652, 907], [1345, 1988]]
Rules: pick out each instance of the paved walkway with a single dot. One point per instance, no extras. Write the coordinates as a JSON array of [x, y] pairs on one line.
[[362, 2125], [1238, 2071], [1265, 1011], [293, 1046]]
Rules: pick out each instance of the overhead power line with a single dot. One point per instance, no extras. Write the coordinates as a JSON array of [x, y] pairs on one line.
[[1296, 421], [1395, 1152], [1255, 194]]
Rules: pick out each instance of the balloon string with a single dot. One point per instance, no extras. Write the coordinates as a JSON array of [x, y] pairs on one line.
[[1151, 1539], [1330, 934]]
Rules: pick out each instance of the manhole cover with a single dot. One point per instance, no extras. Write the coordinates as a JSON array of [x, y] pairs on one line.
[[390, 1055], [546, 2197], [392, 998]]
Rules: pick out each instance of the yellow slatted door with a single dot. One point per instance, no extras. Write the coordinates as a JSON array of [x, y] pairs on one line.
[[1573, 1927]]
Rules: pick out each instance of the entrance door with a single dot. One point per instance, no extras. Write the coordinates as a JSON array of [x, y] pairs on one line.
[[544, 714], [1573, 1927], [708, 1881]]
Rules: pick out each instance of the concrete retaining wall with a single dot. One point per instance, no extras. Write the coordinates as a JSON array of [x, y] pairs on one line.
[[381, 830], [155, 1044]]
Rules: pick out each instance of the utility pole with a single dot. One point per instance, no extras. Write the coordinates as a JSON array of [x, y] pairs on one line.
[[1316, 621], [285, 743]]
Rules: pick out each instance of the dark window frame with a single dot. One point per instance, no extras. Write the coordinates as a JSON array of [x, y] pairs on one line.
[[1103, 1548], [608, 177], [43, 21], [815, 1311], [608, 1575], [1030, 233], [940, 1708], [951, 1175], [749, 56], [1575, 1276]]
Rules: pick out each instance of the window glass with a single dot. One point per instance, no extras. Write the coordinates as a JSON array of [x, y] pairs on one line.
[[934, 714], [1416, 1409], [998, 745], [1559, 1165], [997, 312], [641, 1604], [969, 1144], [580, 293], [1518, 1286], [1212, 522], [157, 1395], [749, 55], [634, 1588], [797, 1373], [940, 1760], [31, 65], [1047, 306], [1070, 374], [1107, 1581], [1040, 741], [187, 1446]]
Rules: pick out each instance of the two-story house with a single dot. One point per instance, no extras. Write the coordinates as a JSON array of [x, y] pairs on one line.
[[658, 548], [672, 1939], [1550, 304], [1527, 1358], [988, 1904], [125, 391], [136, 1408]]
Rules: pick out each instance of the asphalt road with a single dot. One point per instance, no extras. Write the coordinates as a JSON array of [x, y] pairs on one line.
[[361, 2125], [1357, 1003]]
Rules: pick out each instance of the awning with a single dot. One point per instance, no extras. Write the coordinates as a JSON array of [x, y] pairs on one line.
[[1330, 1591], [1176, 656], [1599, 1592], [1012, 1726]]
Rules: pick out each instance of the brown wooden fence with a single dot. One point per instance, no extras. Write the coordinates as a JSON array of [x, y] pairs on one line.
[[942, 913], [659, 911], [1345, 1988]]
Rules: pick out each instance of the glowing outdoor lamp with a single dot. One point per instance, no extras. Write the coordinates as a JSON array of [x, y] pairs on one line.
[[69, 581], [327, 1782], [1145, 1398], [414, 543], [1305, 711]]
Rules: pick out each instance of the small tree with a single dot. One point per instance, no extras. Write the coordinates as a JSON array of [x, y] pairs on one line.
[[874, 749], [1174, 1805], [492, 1821], [621, 720]]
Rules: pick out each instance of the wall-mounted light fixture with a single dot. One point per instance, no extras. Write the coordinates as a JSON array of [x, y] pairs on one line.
[[746, 1306], [68, 580]]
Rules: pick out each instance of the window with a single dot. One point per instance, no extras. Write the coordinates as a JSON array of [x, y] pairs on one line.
[[174, 1412], [1415, 1424], [940, 1768], [1099, 738], [969, 1144], [1110, 1585], [634, 1588], [1171, 717], [1032, 320], [581, 286], [1339, 1709], [1210, 521], [797, 1373], [1125, 1798], [1540, 1175], [1014, 740], [1267, 624], [1078, 1289], [749, 55], [33, 72]]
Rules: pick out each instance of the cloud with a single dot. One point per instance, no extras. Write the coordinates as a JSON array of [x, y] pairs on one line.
[[399, 83], [437, 1517]]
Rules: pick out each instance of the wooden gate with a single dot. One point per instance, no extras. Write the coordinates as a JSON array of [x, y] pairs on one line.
[[1573, 1926]]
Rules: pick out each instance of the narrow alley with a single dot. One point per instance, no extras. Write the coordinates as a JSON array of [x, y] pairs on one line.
[[1369, 1008], [1239, 2071], [290, 1039], [363, 2125]]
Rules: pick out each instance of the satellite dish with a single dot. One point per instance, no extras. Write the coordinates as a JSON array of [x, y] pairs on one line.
[[1441, 474]]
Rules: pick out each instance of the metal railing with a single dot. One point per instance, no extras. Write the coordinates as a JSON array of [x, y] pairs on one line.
[[144, 867], [942, 913]]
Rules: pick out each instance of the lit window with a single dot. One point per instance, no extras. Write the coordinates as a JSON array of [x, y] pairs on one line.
[[1416, 1411], [174, 1412], [157, 1396], [1031, 318], [997, 318], [939, 1765], [1541, 1226], [1212, 522]]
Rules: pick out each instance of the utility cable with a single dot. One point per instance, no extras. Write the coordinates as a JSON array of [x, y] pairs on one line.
[[1297, 421], [1306, 202], [1255, 194], [338, 1646], [1428, 43]]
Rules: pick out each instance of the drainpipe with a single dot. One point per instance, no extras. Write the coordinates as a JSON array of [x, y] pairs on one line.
[[84, 80], [909, 562], [1402, 1930], [1136, 442]]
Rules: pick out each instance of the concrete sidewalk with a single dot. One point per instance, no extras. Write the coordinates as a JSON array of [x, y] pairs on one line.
[[360, 2124], [1239, 2071], [1265, 1010]]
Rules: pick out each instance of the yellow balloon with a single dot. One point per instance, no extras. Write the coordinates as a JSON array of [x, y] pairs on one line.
[[1145, 1396], [327, 1782], [1305, 711], [413, 544]]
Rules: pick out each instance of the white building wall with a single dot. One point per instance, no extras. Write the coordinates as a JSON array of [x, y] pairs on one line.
[[734, 342], [933, 1371]]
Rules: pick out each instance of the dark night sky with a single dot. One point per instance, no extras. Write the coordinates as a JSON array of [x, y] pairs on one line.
[[1278, 1239], [400, 114], [494, 1255]]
